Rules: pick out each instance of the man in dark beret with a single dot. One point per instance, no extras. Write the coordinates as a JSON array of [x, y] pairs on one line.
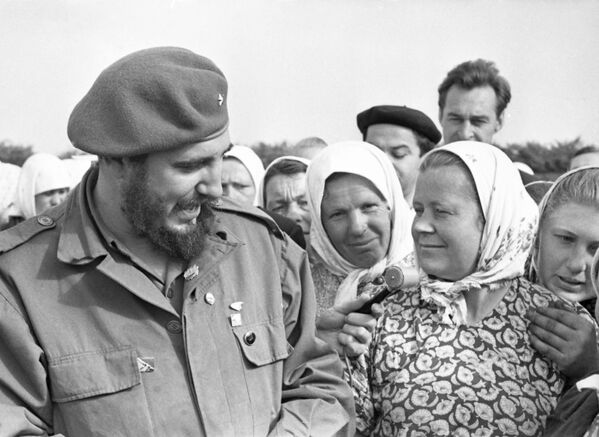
[[405, 134], [145, 305]]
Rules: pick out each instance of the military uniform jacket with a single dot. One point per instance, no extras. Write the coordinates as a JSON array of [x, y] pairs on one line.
[[89, 346]]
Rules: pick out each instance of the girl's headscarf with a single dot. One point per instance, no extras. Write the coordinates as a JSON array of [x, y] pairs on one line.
[[260, 193], [365, 160], [252, 162], [532, 273], [41, 172], [510, 217]]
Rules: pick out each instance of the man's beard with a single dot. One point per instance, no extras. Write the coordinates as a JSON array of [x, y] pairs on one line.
[[145, 213]]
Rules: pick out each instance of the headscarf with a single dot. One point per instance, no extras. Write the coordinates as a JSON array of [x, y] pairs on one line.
[[9, 178], [532, 273], [78, 165], [510, 221], [41, 172], [365, 160], [252, 162], [261, 195]]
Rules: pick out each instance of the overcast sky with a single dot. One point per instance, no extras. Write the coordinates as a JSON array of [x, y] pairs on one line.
[[300, 68]]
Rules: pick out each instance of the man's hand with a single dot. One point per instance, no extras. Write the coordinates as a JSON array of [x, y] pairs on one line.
[[566, 338], [348, 332]]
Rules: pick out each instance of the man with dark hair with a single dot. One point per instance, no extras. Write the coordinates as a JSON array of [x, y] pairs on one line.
[[587, 155], [472, 102], [283, 191], [145, 305], [404, 134]]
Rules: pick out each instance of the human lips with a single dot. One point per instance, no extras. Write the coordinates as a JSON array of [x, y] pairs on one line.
[[572, 285]]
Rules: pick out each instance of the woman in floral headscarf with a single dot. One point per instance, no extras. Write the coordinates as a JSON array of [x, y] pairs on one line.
[[454, 356]]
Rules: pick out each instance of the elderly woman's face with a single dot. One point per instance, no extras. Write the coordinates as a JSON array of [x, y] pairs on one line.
[[447, 228], [237, 182], [568, 239], [356, 219]]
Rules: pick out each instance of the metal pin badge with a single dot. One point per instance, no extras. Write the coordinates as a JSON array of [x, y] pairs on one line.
[[191, 272], [209, 299], [145, 364], [235, 319], [237, 306]]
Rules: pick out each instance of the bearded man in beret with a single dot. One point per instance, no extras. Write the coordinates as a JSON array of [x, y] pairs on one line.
[[146, 306]]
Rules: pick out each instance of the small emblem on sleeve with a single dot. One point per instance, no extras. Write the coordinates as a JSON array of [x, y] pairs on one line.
[[145, 364]]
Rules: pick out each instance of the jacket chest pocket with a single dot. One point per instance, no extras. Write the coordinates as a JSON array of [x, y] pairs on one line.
[[264, 347], [100, 391]]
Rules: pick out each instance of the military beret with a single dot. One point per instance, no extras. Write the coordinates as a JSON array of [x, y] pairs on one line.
[[151, 101], [401, 116]]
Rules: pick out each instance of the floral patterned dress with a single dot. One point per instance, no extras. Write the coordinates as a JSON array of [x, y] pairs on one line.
[[424, 377]]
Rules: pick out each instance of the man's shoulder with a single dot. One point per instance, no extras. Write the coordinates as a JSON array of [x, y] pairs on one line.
[[29, 229], [233, 212]]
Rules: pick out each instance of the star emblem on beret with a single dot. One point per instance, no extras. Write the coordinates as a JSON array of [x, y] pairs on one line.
[[221, 99]]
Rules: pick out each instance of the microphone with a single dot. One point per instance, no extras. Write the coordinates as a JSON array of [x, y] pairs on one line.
[[393, 279]]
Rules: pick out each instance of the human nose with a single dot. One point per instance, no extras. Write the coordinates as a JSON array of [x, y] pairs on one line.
[[466, 132], [357, 222], [422, 224], [210, 184], [579, 261]]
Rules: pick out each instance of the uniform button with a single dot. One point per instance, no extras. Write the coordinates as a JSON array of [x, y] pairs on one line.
[[174, 327], [44, 220], [209, 298], [249, 338]]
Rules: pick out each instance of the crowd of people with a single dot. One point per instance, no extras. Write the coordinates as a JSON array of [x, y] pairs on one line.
[[417, 282]]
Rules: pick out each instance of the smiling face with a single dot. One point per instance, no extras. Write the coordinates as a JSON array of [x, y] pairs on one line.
[[237, 182], [568, 239], [400, 145], [167, 197], [448, 225], [356, 219]]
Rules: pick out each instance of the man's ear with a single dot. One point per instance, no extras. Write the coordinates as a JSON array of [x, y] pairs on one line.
[[500, 120]]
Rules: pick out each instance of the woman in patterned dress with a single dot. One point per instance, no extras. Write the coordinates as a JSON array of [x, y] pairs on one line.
[[566, 241], [360, 225], [453, 357]]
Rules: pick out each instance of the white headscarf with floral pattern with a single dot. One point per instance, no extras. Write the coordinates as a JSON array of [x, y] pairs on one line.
[[365, 160], [510, 222]]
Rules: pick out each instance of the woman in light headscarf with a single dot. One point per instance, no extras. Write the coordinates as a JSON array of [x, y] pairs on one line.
[[360, 225], [9, 179], [454, 357], [241, 175], [44, 182], [561, 261]]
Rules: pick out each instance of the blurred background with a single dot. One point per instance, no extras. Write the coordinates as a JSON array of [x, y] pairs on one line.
[[299, 68]]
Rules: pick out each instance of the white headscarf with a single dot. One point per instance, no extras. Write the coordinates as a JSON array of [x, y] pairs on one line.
[[510, 222], [261, 197], [252, 162], [41, 172], [365, 160], [9, 178]]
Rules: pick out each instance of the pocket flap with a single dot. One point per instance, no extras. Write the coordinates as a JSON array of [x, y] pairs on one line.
[[93, 373], [263, 343]]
